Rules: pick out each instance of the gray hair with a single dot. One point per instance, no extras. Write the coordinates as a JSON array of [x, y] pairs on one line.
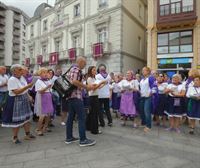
[[13, 67], [177, 76]]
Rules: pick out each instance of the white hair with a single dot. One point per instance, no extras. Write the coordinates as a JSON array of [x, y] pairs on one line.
[[13, 67]]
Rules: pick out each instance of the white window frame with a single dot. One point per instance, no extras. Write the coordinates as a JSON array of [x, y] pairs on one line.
[[77, 10], [102, 34]]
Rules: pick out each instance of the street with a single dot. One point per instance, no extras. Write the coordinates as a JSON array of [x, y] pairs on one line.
[[117, 147]]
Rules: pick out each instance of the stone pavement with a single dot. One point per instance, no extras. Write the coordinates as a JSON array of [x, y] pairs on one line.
[[117, 147]]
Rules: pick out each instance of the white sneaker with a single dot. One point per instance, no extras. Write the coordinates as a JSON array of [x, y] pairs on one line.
[[63, 123]]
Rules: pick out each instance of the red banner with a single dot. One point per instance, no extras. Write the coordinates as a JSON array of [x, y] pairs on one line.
[[39, 59], [97, 50], [72, 54], [27, 62], [53, 58]]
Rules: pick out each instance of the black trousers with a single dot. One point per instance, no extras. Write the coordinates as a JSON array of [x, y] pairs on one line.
[[104, 106], [92, 117]]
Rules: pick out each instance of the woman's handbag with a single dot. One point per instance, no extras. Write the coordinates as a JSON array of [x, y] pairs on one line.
[[63, 85]]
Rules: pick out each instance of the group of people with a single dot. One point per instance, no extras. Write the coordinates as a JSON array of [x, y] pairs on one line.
[[132, 96]]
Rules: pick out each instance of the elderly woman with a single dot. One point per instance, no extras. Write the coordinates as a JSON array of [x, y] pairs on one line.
[[176, 91], [127, 104], [43, 102], [17, 111]]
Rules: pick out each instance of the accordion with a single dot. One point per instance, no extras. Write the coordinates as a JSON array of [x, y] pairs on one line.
[[63, 86]]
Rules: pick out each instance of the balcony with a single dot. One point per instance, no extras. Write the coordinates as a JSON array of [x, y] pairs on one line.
[[16, 41], [16, 33], [16, 56], [176, 17], [17, 25], [1, 55], [101, 49], [2, 30], [2, 14], [1, 46], [2, 22], [17, 17], [2, 38], [16, 48]]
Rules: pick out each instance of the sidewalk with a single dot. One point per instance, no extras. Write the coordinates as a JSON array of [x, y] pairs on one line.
[[117, 147]]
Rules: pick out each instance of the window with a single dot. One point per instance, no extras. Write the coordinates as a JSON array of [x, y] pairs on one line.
[[45, 25], [24, 34], [77, 10], [102, 35], [23, 48], [102, 3], [31, 31], [76, 40], [175, 42], [57, 46], [58, 17], [140, 45], [44, 50], [172, 7]]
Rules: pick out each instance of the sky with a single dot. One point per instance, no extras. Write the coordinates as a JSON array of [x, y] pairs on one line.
[[28, 6]]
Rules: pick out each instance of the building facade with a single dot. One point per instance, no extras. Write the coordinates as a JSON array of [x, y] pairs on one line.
[[173, 35], [12, 35], [110, 32]]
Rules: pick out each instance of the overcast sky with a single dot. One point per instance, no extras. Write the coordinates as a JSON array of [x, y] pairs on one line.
[[28, 6]]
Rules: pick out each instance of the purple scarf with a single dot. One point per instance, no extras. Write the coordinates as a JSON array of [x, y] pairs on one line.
[[104, 74]]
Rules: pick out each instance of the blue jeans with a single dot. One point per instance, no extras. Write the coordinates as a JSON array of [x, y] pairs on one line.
[[75, 106], [145, 111]]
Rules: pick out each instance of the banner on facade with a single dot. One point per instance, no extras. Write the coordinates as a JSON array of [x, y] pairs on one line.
[[53, 58], [97, 50], [39, 59], [72, 54], [27, 62]]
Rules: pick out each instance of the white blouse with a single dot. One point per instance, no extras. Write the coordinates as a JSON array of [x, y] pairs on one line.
[[127, 85], [15, 83], [193, 92], [145, 89], [91, 81], [39, 85], [176, 88]]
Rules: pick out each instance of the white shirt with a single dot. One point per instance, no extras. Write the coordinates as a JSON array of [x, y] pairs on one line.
[[126, 85], [3, 80], [115, 87], [162, 87], [176, 88], [39, 85], [104, 92], [193, 92], [91, 81], [145, 89], [15, 83]]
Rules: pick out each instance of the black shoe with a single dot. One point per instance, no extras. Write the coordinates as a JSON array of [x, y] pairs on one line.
[[51, 125], [69, 141], [87, 142]]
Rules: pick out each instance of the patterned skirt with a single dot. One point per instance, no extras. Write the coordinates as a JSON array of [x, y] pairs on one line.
[[193, 109], [17, 111], [176, 107], [127, 105]]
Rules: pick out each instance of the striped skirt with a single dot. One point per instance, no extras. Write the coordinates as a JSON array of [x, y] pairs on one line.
[[17, 111]]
